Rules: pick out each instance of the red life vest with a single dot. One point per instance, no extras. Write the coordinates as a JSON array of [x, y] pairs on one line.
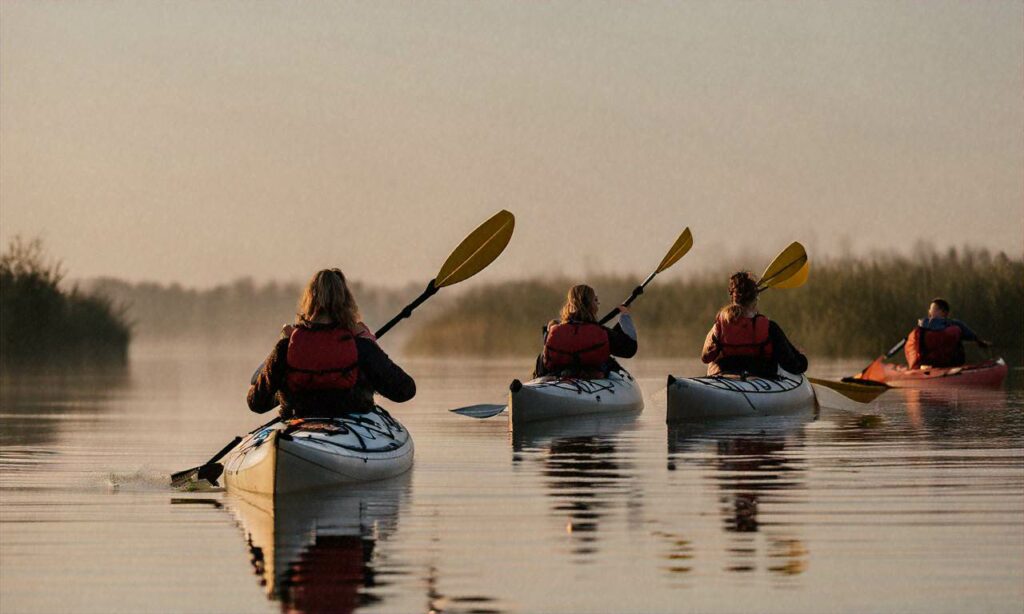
[[935, 348], [321, 359], [576, 345], [744, 337]]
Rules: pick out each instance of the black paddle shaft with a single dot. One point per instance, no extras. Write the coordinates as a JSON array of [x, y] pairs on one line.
[[407, 311]]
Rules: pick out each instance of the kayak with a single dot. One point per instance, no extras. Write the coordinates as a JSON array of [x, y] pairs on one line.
[[988, 373], [551, 398], [733, 396], [312, 453]]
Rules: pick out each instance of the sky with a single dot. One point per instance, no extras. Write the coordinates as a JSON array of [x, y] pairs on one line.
[[199, 142]]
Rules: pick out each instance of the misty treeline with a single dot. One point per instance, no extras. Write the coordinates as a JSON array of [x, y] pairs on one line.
[[234, 312], [850, 307], [41, 322]]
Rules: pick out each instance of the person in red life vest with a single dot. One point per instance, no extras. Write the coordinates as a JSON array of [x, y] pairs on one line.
[[938, 340], [744, 341], [577, 346], [328, 364]]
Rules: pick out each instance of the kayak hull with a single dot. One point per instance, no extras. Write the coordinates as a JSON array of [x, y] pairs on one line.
[[716, 397], [303, 455], [988, 374], [553, 398]]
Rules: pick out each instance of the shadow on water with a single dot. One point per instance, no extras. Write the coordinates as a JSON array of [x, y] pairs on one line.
[[318, 552], [587, 474], [755, 462], [36, 404]]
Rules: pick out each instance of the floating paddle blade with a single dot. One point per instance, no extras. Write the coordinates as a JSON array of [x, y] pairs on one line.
[[479, 411], [477, 250], [678, 250], [785, 266], [798, 279]]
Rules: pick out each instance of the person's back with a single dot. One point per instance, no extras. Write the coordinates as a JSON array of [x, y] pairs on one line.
[[578, 346], [938, 340], [743, 341], [328, 364]]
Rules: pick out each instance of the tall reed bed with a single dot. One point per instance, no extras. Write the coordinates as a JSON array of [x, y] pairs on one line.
[[849, 307]]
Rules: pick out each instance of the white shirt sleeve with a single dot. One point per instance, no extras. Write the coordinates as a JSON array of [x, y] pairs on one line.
[[626, 324]]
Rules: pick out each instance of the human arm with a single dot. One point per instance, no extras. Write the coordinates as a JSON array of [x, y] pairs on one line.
[[386, 378], [262, 395], [788, 357], [711, 350]]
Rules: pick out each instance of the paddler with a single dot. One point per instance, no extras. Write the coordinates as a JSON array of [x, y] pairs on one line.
[[938, 340], [744, 341], [328, 364], [576, 345]]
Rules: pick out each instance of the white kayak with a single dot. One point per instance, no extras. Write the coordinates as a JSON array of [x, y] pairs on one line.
[[733, 396], [551, 398], [313, 453]]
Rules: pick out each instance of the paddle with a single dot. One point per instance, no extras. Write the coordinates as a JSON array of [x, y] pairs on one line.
[[682, 245], [473, 255], [862, 376], [675, 253]]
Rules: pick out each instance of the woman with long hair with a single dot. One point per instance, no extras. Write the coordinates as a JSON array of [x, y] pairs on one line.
[[328, 363], [742, 340], [577, 345]]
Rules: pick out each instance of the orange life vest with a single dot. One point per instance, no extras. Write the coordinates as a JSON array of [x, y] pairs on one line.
[[936, 348], [321, 359], [744, 337], [576, 345]]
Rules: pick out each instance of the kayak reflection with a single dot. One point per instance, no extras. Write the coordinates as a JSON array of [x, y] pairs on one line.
[[754, 466], [316, 552], [587, 476]]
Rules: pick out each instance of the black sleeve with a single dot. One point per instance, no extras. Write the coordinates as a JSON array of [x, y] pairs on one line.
[[788, 357], [262, 395], [621, 344], [387, 378]]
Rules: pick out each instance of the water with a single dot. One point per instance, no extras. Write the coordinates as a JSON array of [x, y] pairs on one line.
[[920, 509]]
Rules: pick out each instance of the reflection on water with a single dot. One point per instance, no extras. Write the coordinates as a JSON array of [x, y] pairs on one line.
[[315, 552], [921, 501]]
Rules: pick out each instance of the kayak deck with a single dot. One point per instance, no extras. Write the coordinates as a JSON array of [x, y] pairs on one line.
[[731, 396], [552, 398], [990, 373]]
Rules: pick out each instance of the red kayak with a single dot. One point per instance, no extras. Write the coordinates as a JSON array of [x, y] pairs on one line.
[[990, 373]]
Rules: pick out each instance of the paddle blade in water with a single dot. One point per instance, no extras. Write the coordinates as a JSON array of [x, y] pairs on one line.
[[679, 249], [477, 250], [861, 392], [479, 411], [797, 280], [785, 266]]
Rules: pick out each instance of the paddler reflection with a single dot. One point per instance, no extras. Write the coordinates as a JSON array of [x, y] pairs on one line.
[[317, 552], [754, 465]]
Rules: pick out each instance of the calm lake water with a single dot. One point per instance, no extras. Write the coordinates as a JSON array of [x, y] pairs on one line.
[[918, 510]]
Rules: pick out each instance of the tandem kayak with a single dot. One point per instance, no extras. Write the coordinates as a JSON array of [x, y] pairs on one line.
[[733, 396], [312, 453], [551, 398], [990, 373]]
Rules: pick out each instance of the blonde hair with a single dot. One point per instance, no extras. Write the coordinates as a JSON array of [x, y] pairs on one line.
[[580, 304], [743, 292], [327, 295]]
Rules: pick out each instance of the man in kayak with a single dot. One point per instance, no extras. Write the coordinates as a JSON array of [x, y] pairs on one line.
[[328, 364], [744, 341], [938, 340], [578, 346]]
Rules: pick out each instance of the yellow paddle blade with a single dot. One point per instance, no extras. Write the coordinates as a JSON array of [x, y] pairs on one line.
[[678, 250], [477, 250], [797, 280], [861, 393], [785, 266]]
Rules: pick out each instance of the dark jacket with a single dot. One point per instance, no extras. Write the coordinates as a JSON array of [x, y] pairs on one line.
[[377, 373], [783, 355]]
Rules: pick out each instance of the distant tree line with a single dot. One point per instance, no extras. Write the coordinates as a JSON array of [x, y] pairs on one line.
[[43, 323], [850, 307]]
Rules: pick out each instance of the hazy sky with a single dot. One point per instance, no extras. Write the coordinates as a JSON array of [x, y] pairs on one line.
[[202, 141]]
